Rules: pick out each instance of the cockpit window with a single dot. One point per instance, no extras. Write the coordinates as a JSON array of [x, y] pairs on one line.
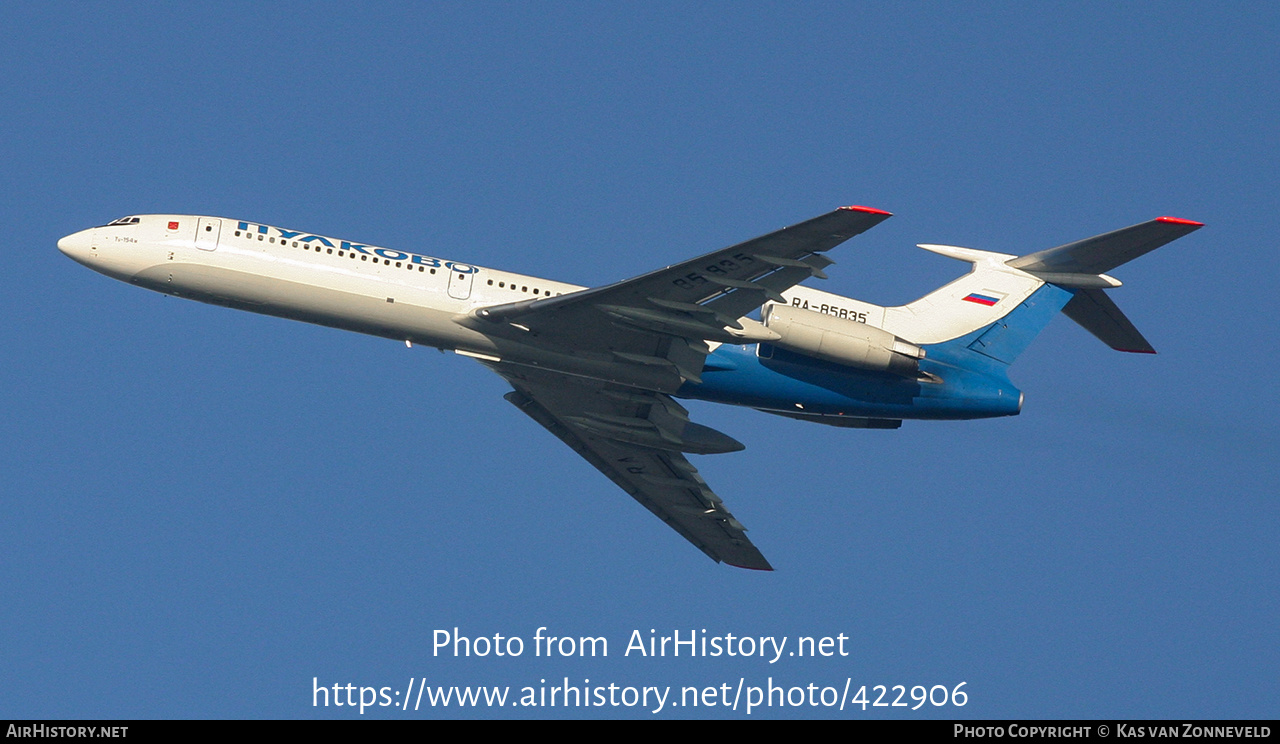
[[122, 221]]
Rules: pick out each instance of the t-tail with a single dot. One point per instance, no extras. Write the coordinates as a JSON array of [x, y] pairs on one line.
[[986, 318]]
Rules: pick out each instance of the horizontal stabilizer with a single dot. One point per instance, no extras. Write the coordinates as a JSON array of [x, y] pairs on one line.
[[1102, 253], [1081, 266], [1099, 315]]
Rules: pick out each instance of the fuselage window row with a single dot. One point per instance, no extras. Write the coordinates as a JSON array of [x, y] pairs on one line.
[[341, 254], [503, 285]]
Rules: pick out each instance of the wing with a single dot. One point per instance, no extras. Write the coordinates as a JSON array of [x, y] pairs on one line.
[[636, 438], [661, 321], [651, 334]]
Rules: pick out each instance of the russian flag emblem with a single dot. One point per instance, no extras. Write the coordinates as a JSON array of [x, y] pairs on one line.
[[981, 299]]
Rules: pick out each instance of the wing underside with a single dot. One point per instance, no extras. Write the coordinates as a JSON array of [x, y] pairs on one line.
[[636, 438]]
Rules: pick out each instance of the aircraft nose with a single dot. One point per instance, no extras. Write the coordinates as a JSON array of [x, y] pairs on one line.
[[77, 245]]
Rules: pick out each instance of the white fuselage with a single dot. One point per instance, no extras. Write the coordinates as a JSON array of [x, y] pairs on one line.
[[415, 298], [395, 294]]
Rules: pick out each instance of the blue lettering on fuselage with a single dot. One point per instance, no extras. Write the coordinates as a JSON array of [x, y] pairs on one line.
[[386, 253]]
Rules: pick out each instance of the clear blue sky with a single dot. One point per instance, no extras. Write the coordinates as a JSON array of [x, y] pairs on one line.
[[201, 510]]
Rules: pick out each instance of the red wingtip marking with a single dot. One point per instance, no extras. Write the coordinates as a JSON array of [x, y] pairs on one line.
[[868, 210], [1179, 221]]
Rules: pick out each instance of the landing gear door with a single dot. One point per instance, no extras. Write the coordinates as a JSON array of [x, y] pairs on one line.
[[460, 278], [207, 232]]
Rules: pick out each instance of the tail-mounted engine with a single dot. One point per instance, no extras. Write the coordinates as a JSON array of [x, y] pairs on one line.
[[841, 341]]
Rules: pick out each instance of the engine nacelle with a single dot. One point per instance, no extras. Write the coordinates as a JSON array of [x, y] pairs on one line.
[[842, 341]]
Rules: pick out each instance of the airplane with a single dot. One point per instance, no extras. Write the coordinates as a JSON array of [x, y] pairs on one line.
[[602, 367]]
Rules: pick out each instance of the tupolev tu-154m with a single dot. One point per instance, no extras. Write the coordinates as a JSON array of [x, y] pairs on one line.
[[602, 368]]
